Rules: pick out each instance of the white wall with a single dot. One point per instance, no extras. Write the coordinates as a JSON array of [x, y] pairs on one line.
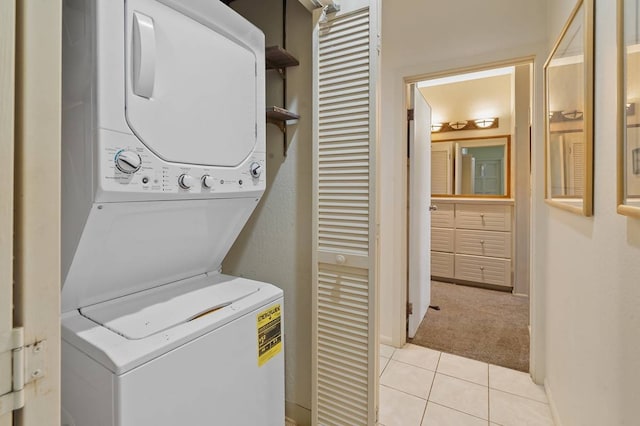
[[429, 37], [591, 270], [275, 245], [466, 100]]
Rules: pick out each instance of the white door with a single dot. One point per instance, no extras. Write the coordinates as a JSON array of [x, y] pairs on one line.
[[344, 313], [419, 214]]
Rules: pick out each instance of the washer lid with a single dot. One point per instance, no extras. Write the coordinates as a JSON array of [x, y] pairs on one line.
[[191, 87], [150, 312]]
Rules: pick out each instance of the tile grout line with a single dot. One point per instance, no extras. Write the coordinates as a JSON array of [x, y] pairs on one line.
[[460, 378], [488, 395], [401, 391], [518, 395], [458, 411], [412, 365], [385, 367], [424, 413]]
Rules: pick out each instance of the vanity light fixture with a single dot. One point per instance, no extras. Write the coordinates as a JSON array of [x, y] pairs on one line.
[[572, 115], [473, 124], [484, 123], [568, 115], [458, 125]]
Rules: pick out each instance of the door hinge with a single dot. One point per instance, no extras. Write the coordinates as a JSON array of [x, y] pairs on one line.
[[410, 114], [409, 308], [27, 365]]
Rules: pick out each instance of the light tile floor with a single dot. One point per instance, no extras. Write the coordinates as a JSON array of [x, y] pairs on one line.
[[423, 387]]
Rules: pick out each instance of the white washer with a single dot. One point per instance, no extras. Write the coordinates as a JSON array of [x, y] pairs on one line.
[[163, 163]]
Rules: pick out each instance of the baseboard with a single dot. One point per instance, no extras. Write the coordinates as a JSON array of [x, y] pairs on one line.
[[296, 414], [385, 340], [552, 404]]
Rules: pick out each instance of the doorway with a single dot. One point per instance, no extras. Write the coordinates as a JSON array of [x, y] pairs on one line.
[[479, 248]]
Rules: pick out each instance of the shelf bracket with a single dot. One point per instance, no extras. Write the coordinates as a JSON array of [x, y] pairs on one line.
[[279, 124]]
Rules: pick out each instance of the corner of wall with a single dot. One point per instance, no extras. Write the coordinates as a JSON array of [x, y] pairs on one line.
[[297, 415], [552, 404]]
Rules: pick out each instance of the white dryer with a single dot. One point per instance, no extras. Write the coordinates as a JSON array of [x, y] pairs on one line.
[[163, 163]]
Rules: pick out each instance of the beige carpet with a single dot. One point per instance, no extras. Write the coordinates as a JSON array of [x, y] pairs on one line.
[[486, 325]]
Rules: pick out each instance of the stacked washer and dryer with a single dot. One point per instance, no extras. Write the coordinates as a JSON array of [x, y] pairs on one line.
[[163, 163]]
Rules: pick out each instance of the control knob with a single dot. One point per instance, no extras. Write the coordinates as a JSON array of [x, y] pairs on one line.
[[255, 169], [128, 161], [186, 181], [207, 181]]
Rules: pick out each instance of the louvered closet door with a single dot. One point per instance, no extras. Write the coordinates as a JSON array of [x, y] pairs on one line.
[[344, 308]]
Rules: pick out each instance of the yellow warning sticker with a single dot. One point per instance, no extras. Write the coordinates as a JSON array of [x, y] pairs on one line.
[[269, 334]]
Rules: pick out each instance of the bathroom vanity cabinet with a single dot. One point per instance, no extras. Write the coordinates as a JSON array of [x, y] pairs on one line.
[[472, 242]]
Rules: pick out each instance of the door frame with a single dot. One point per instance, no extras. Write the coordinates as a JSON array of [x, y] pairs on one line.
[[399, 315], [36, 183], [7, 141], [417, 166]]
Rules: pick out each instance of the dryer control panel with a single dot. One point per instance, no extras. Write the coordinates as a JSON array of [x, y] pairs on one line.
[[127, 166]]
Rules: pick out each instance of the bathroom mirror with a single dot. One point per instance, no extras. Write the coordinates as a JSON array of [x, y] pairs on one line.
[[569, 114], [478, 167], [628, 107]]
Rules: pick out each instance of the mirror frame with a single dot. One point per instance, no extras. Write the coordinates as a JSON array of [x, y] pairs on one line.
[[508, 166], [588, 31], [622, 207]]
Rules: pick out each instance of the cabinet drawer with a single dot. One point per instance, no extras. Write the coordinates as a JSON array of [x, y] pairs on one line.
[[443, 217], [442, 239], [483, 216], [442, 264], [485, 270], [483, 243]]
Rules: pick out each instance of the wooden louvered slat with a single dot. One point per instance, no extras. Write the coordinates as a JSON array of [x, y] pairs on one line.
[[345, 50], [348, 401], [340, 103], [439, 172], [347, 60], [577, 169], [331, 321], [345, 379], [343, 47], [332, 357], [351, 116], [349, 398]]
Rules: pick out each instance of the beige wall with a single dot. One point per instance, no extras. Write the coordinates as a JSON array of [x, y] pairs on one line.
[[481, 98], [275, 245], [430, 37], [591, 272]]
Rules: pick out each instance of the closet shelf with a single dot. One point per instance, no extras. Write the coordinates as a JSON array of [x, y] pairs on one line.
[[278, 58], [277, 115]]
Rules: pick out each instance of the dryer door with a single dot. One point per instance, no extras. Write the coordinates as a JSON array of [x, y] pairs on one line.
[[191, 90]]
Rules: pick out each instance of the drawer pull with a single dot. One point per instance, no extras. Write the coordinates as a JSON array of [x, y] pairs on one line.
[[481, 241], [482, 268], [481, 214]]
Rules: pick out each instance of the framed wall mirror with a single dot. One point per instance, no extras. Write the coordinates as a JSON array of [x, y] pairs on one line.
[[568, 74], [478, 167], [629, 107]]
